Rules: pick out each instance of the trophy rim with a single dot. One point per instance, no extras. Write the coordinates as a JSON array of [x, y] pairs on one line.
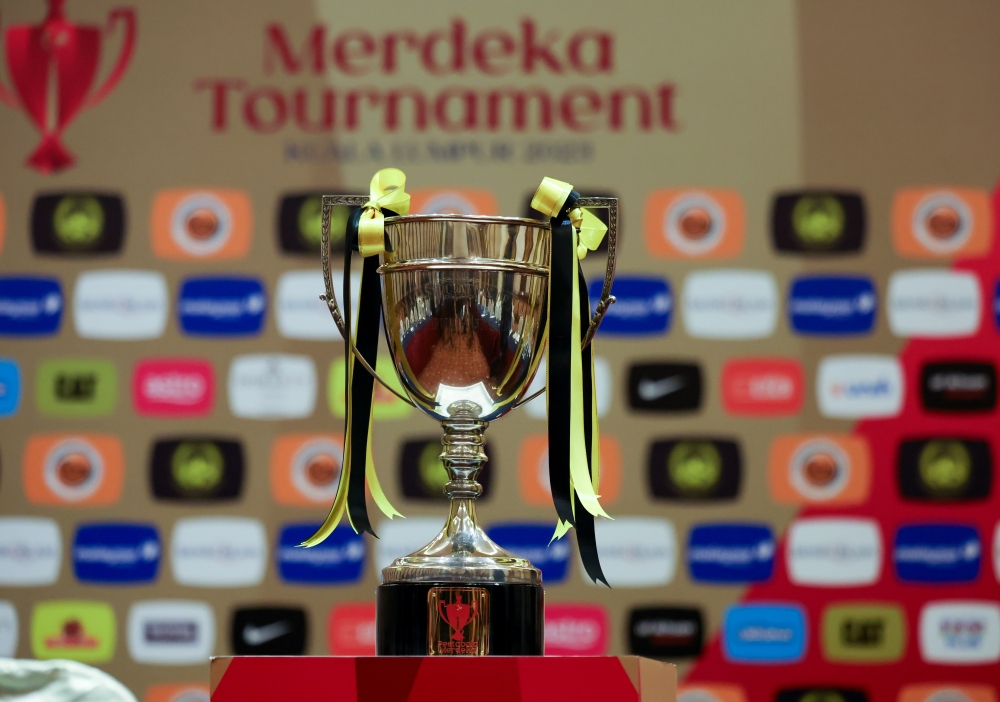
[[475, 219]]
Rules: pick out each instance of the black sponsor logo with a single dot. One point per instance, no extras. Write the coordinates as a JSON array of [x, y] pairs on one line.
[[422, 474], [665, 632], [269, 631], [945, 469], [299, 224], [821, 694], [77, 223], [602, 213], [818, 222], [958, 387], [694, 468], [76, 387], [196, 468], [664, 387]]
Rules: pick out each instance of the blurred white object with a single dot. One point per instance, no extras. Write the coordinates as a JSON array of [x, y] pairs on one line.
[[58, 681]]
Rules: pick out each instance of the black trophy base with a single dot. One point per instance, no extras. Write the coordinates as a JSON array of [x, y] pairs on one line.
[[406, 626]]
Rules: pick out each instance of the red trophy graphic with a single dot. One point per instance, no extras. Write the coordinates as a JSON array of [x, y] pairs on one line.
[[458, 615], [53, 66]]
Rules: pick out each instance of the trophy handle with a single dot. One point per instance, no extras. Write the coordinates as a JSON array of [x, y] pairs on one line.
[[330, 298]]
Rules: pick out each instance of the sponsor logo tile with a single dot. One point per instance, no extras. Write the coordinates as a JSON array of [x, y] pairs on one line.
[[184, 692], [171, 632], [937, 553], [76, 387], [665, 387], [338, 560], [730, 304], [10, 387], [536, 409], [401, 537], [116, 553], [958, 386], [694, 469], [222, 306], [764, 633], [300, 224], [422, 474], [763, 386], [385, 405], [76, 630], [189, 224], [173, 387], [30, 551], [834, 552], [351, 629], [77, 223], [269, 631], [576, 630], [855, 632], [73, 469], [665, 632], [818, 222], [820, 469], [196, 469], [218, 551], [120, 305], [960, 632], [272, 386], [933, 303], [947, 692], [533, 470], [643, 307], [534, 542], [945, 469], [636, 551], [30, 305], [730, 553], [298, 311], [467, 201], [859, 386], [9, 627], [832, 305], [694, 223], [305, 468], [941, 222]]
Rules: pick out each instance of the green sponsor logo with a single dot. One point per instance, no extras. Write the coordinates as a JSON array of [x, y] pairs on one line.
[[863, 633], [694, 467], [945, 467], [197, 467], [385, 406], [78, 221], [78, 630], [76, 387], [432, 472], [310, 222], [818, 219]]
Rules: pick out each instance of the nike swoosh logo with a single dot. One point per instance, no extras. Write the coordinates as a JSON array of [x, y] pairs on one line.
[[650, 390], [257, 635]]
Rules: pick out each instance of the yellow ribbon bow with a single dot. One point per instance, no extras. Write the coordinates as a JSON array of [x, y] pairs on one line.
[[549, 200], [386, 190]]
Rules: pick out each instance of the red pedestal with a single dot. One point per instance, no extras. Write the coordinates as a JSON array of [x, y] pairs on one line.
[[442, 679]]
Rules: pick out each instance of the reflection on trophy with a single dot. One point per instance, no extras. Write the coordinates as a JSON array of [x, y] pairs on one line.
[[469, 305]]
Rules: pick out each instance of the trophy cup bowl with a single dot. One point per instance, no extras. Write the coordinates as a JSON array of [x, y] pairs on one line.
[[464, 311]]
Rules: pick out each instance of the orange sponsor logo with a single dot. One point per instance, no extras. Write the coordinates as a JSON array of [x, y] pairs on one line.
[[305, 468], [467, 201], [710, 692], [351, 629], [946, 692], [533, 470], [73, 469], [201, 224], [189, 692], [693, 223], [829, 469], [941, 222]]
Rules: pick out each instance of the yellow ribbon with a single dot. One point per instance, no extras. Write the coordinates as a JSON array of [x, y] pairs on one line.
[[549, 200], [387, 190]]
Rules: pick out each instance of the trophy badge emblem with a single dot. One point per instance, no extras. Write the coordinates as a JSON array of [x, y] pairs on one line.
[[69, 55], [459, 621]]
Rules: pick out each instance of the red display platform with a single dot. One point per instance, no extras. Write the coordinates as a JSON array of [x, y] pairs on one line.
[[442, 679]]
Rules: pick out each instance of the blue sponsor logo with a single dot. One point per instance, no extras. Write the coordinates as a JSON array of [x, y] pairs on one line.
[[10, 387], [222, 306], [757, 633], [339, 559], [937, 553], [832, 305], [116, 553], [30, 306], [531, 541], [644, 305], [731, 553]]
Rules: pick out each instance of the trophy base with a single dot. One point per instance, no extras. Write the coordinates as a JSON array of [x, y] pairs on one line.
[[459, 618]]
